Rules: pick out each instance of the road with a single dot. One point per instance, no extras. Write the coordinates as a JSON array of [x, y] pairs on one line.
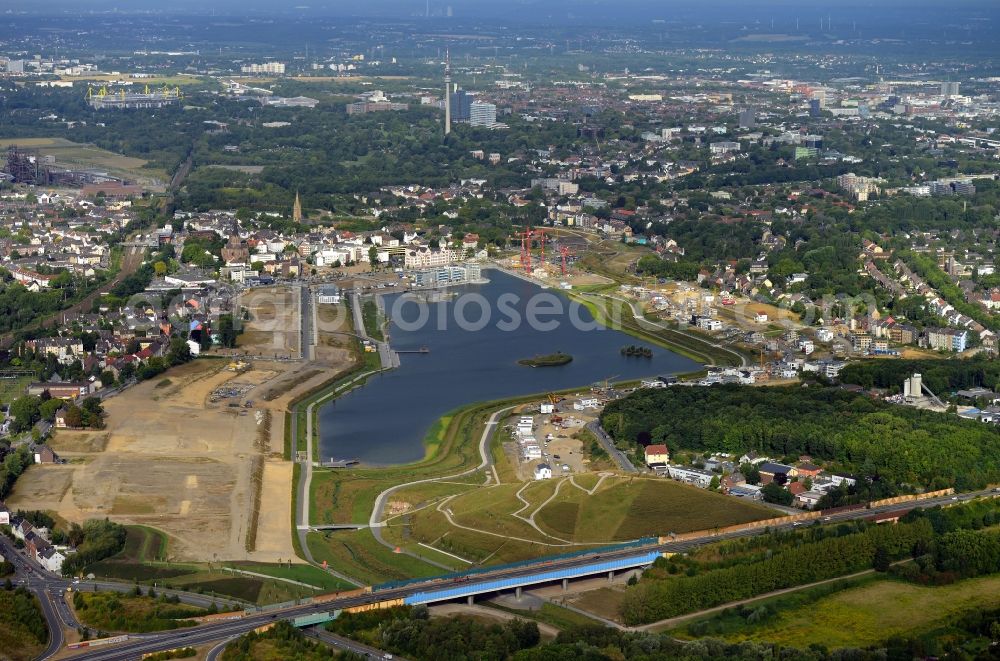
[[305, 322], [213, 632], [342, 644], [609, 447], [50, 590]]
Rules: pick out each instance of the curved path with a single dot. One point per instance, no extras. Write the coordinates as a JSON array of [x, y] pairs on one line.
[[640, 318], [375, 521]]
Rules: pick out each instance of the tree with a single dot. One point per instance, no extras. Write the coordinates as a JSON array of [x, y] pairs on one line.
[[74, 416], [775, 493], [227, 331], [48, 409], [160, 269], [373, 257], [179, 352], [107, 378], [882, 561], [25, 411]]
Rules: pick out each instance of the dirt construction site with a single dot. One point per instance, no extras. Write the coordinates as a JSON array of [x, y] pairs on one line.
[[196, 452]]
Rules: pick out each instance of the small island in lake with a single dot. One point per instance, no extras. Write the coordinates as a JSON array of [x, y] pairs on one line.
[[552, 360], [638, 351]]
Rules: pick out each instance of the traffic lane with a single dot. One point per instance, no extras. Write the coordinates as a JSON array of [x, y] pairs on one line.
[[54, 625], [341, 643], [214, 653]]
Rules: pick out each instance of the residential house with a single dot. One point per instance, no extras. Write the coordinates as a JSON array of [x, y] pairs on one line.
[[44, 455], [947, 339], [543, 472], [52, 559], [749, 491], [657, 454], [807, 469], [808, 499], [778, 472]]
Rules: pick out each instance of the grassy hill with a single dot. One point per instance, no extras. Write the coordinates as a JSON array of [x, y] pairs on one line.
[[493, 525]]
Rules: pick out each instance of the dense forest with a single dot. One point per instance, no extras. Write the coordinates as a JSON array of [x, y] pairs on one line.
[[892, 448], [941, 376]]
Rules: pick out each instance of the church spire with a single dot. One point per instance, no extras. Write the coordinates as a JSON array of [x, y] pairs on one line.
[[297, 209]]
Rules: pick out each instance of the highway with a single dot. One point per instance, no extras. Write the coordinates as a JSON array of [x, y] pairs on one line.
[[218, 631]]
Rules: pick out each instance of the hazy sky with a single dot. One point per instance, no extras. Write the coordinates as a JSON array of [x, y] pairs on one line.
[[473, 7]]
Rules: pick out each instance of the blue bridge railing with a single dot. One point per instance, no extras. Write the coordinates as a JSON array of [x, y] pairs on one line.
[[644, 541]]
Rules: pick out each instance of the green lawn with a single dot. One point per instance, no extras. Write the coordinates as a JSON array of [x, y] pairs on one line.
[[13, 387], [624, 509], [302, 573], [873, 612], [142, 544]]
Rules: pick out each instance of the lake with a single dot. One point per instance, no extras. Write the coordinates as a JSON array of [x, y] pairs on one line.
[[385, 421]]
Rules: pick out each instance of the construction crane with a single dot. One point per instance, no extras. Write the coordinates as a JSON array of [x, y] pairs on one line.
[[605, 386], [564, 252], [526, 249], [553, 399]]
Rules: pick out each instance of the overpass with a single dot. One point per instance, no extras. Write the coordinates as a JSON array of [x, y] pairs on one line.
[[487, 579], [469, 589]]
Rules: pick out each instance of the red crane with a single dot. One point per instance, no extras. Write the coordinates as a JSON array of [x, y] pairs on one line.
[[526, 249], [564, 253]]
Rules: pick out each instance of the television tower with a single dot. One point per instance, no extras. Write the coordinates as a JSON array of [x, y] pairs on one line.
[[447, 93]]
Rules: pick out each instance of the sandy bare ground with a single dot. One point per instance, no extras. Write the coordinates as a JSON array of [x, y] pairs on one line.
[[195, 466], [172, 460], [273, 329]]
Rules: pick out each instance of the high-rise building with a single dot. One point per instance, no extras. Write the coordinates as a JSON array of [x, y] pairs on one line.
[[482, 114], [949, 89], [815, 109], [461, 106], [447, 93], [747, 119]]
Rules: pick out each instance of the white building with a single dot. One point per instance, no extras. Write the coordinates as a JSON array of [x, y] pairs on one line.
[[52, 559], [423, 257], [482, 114], [266, 67], [543, 472], [694, 476]]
